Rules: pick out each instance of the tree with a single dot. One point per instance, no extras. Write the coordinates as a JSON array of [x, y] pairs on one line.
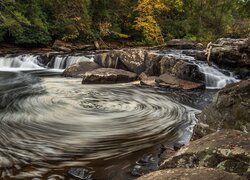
[[23, 22], [146, 22]]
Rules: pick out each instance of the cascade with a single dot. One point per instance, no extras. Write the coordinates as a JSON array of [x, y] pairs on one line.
[[215, 77]]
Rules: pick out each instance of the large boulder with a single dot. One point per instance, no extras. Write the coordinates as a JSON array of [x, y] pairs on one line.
[[181, 69], [191, 174], [133, 59], [79, 69], [108, 76], [129, 59], [166, 80], [228, 150], [231, 52], [230, 110]]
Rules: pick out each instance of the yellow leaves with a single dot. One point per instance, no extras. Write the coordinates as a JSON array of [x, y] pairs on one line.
[[76, 19], [150, 6], [150, 29], [104, 28], [146, 22]]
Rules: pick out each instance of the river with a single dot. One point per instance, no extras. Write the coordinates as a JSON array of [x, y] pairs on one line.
[[50, 124]]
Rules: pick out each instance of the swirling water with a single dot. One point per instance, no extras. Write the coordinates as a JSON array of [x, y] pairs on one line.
[[50, 124]]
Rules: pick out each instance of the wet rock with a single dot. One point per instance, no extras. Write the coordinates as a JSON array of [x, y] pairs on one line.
[[108, 76], [46, 58], [181, 69], [80, 173], [166, 80], [79, 69], [183, 44], [152, 64], [188, 71], [146, 164], [230, 110], [228, 150], [190, 174], [242, 73]]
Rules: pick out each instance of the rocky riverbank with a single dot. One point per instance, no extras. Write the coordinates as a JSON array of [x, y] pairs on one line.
[[221, 140]]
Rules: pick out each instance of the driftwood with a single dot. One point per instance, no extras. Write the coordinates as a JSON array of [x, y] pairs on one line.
[[208, 52]]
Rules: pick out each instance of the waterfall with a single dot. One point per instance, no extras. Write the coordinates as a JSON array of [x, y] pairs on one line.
[[61, 62], [31, 62], [215, 77], [25, 61]]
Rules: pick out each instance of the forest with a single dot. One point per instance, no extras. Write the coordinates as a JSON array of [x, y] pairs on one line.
[[144, 22]]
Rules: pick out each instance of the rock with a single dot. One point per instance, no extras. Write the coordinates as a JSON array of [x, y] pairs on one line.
[[242, 73], [197, 54], [62, 46], [190, 174], [80, 173], [166, 80], [152, 64], [228, 150], [148, 80], [79, 69], [181, 69], [242, 43], [183, 44], [108, 76], [230, 110], [130, 59], [231, 52], [188, 71], [133, 59]]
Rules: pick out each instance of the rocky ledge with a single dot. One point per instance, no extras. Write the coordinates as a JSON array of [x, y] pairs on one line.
[[220, 147], [191, 174], [230, 110], [227, 150]]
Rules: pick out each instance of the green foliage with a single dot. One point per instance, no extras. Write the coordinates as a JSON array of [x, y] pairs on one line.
[[39, 22]]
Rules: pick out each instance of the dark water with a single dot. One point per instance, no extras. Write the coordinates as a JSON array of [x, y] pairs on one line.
[[51, 124]]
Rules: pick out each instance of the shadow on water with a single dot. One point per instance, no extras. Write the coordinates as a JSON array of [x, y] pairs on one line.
[[51, 124]]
